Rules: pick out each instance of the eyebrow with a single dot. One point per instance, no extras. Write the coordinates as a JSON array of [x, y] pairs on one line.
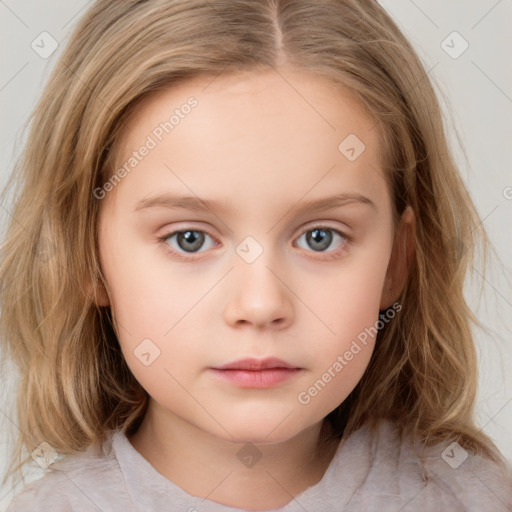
[[197, 204]]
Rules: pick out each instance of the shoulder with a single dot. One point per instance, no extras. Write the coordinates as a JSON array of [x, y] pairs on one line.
[[472, 481], [77, 482], [398, 469]]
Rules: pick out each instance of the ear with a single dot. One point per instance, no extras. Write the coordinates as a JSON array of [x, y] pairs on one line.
[[400, 261], [99, 294]]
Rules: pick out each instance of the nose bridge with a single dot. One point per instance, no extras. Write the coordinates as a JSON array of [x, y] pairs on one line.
[[258, 295]]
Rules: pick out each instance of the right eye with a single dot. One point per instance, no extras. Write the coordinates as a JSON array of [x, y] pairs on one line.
[[185, 241]]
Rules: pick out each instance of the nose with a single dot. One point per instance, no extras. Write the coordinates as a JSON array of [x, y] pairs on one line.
[[258, 296]]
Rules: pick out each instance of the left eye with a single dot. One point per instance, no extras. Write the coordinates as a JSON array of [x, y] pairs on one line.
[[321, 238]]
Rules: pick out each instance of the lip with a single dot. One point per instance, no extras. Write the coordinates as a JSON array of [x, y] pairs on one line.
[[256, 364], [257, 373]]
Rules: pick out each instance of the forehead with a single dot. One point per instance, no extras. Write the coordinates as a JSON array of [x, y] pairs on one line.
[[266, 99], [278, 132]]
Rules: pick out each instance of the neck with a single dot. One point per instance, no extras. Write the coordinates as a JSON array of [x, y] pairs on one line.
[[244, 475]]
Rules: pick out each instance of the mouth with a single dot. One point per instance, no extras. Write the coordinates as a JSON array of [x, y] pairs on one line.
[[257, 364], [257, 373]]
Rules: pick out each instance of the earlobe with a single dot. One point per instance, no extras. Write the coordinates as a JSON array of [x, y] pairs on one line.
[[401, 259], [100, 295]]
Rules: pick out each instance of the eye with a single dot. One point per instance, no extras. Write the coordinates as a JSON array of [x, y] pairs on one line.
[[190, 241], [187, 240], [321, 238]]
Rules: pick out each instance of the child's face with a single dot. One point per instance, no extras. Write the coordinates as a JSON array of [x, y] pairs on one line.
[[260, 146]]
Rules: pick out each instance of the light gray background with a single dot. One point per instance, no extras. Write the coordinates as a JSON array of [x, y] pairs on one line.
[[476, 93]]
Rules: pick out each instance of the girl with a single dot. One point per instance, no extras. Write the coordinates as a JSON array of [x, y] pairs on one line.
[[311, 349]]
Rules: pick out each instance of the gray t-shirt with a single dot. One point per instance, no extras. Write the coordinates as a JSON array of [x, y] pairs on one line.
[[371, 471]]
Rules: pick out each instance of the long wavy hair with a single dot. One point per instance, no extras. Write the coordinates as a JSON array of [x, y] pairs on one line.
[[74, 384]]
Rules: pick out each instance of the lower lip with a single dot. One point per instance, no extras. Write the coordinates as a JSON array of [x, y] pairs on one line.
[[257, 378]]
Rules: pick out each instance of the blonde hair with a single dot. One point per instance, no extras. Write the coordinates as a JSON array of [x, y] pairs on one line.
[[74, 383]]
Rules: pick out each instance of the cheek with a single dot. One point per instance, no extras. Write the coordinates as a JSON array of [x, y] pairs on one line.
[[156, 323], [149, 296], [151, 308], [349, 308], [347, 297]]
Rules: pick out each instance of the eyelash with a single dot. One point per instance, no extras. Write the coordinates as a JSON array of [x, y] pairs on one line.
[[327, 256]]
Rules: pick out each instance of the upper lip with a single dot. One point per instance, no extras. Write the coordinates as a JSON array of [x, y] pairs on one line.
[[256, 364]]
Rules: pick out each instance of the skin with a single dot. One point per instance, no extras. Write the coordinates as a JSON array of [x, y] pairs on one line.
[[264, 148]]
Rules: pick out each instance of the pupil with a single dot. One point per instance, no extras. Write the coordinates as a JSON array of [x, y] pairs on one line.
[[319, 239], [193, 238]]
